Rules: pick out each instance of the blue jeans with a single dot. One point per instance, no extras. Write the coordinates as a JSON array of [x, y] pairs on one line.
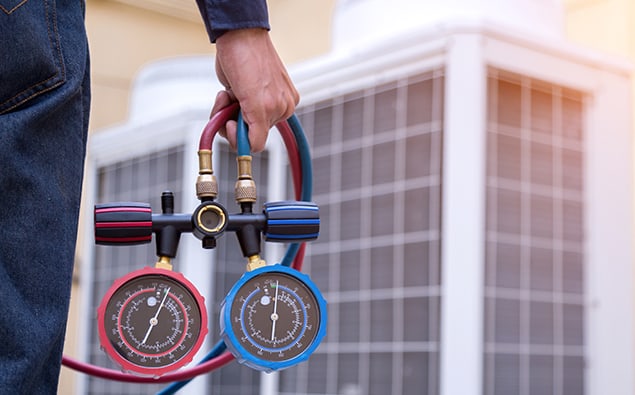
[[44, 104]]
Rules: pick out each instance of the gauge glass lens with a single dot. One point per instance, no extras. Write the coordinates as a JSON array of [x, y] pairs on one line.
[[275, 316], [152, 321]]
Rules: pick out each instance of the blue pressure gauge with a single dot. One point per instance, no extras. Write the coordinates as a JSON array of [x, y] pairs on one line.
[[274, 317]]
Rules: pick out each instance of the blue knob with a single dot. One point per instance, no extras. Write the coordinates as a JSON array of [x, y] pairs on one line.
[[292, 221]]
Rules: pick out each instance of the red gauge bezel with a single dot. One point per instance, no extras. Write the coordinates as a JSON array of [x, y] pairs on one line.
[[128, 366]]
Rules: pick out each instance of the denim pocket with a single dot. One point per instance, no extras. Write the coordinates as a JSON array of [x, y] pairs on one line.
[[31, 58]]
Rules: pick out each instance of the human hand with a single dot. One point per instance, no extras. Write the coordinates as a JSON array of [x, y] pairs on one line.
[[248, 65]]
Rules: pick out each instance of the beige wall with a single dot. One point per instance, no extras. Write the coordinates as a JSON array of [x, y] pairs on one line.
[[301, 29], [123, 38], [607, 25]]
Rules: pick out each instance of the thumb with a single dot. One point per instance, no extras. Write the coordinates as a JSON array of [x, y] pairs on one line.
[[258, 133]]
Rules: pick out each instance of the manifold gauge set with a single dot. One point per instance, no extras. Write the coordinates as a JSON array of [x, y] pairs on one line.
[[153, 321]]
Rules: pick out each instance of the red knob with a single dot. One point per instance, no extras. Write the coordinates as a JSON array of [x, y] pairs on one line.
[[123, 223]]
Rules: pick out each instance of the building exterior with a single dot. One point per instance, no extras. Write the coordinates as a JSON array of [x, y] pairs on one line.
[[475, 187], [511, 255]]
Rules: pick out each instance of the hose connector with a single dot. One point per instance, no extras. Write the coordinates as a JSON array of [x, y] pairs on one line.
[[245, 189], [254, 262], [163, 263], [206, 184]]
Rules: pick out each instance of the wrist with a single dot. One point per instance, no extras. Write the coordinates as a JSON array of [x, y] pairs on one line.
[[240, 35]]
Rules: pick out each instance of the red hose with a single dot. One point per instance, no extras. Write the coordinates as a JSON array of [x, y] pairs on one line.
[[116, 375], [215, 124], [294, 156]]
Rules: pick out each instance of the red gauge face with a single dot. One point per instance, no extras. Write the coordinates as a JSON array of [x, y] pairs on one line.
[[152, 321]]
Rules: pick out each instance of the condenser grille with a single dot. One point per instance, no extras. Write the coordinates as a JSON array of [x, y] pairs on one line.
[[534, 283]]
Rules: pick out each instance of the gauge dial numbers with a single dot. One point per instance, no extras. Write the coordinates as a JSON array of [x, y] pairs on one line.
[[273, 318], [152, 321]]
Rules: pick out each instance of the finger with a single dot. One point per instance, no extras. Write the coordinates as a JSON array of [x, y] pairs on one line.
[[258, 130], [291, 103], [223, 99], [258, 140], [259, 123], [230, 133], [284, 115]]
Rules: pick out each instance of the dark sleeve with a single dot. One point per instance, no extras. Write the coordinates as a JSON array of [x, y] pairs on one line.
[[220, 16]]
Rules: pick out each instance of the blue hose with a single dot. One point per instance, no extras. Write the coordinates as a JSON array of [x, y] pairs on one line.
[[218, 349], [307, 178], [242, 139]]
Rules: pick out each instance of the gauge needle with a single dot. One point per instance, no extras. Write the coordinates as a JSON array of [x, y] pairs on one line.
[[274, 315], [154, 320]]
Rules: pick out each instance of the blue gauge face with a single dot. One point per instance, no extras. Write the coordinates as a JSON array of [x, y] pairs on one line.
[[273, 318]]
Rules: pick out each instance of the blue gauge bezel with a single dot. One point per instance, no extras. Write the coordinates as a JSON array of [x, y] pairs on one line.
[[234, 345]]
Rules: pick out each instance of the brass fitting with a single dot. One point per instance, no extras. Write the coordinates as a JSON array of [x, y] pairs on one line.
[[245, 189], [206, 184], [254, 262], [163, 263]]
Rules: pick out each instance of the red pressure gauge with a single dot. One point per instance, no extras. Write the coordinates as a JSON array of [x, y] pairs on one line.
[[152, 321]]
